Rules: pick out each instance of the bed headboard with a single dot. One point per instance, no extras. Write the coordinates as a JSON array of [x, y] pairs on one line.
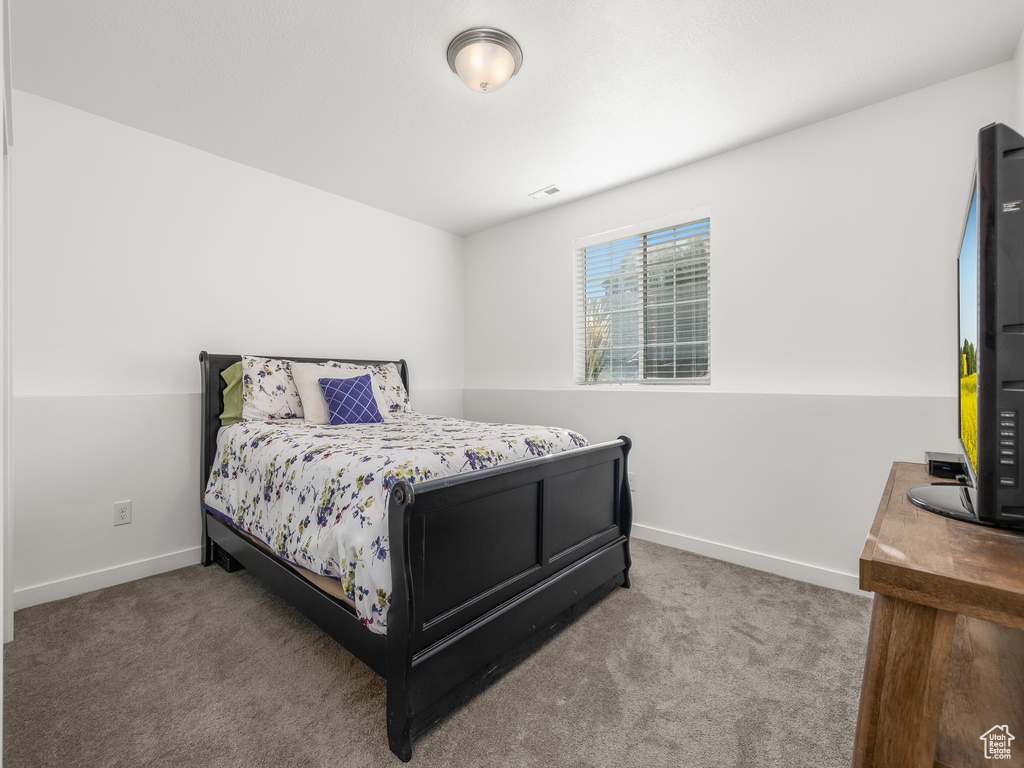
[[212, 402]]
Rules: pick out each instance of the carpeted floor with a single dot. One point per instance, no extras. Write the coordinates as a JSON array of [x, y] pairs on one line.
[[701, 663]]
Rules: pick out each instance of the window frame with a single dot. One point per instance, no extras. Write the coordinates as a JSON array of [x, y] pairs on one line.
[[622, 233]]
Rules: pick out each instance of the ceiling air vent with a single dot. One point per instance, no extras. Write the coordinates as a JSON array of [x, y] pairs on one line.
[[541, 194]]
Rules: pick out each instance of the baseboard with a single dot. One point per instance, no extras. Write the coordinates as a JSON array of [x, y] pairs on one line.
[[791, 569], [107, 577]]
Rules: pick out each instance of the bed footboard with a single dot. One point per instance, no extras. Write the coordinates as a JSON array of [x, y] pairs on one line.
[[488, 564]]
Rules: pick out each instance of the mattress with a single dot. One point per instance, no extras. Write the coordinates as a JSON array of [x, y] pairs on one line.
[[316, 496]]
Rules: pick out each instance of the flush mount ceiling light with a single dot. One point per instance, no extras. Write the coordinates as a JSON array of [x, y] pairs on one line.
[[484, 58]]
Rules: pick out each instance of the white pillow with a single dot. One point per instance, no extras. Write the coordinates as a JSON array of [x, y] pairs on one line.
[[307, 380], [268, 391], [388, 390]]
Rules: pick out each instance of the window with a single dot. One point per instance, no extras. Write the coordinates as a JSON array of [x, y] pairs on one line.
[[642, 302]]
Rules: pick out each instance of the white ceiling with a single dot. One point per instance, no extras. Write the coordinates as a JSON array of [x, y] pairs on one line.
[[356, 97]]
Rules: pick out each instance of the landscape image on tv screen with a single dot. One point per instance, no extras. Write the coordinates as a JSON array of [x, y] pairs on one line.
[[968, 361]]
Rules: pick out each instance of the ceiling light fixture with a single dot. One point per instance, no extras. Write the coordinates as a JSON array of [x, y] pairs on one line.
[[484, 58]]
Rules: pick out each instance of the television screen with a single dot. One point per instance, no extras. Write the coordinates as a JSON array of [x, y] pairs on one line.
[[990, 343], [969, 350]]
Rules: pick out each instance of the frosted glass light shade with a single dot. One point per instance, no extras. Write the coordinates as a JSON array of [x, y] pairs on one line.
[[484, 67], [485, 59]]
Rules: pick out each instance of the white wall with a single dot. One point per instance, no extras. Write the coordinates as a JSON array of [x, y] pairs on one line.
[[833, 316], [1018, 87], [6, 599], [133, 253], [832, 286]]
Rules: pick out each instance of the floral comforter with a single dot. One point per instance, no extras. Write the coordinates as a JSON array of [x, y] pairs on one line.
[[317, 495]]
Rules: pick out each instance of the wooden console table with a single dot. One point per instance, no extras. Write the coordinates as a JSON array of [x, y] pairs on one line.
[[945, 658]]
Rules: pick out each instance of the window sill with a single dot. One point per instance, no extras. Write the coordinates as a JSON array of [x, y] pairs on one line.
[[656, 383]]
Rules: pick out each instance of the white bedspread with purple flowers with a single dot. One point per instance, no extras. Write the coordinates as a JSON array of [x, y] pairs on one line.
[[317, 495]]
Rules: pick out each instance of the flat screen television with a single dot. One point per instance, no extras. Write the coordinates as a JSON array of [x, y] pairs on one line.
[[990, 342]]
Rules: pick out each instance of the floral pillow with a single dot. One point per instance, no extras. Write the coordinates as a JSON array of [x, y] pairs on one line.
[[268, 390], [390, 387]]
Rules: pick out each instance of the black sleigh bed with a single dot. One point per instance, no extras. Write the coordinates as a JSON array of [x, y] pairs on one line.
[[554, 534]]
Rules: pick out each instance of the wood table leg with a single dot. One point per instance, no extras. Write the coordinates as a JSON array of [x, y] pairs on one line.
[[904, 681]]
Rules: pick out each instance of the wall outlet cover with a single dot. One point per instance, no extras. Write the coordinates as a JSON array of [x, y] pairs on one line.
[[122, 512], [632, 482]]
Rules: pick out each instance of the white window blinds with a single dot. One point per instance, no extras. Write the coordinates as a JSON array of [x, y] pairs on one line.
[[642, 303]]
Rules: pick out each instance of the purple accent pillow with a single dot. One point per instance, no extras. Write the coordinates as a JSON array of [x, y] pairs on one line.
[[351, 401]]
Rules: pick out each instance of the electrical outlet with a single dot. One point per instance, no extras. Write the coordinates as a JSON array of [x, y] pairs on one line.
[[122, 512], [632, 482]]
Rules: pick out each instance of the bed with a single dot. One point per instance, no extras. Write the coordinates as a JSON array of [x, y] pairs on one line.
[[438, 565]]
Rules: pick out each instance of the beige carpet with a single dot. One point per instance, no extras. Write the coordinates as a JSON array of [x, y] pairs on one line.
[[702, 663]]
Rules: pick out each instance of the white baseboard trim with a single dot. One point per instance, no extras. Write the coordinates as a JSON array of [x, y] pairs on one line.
[[791, 569], [107, 577]]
